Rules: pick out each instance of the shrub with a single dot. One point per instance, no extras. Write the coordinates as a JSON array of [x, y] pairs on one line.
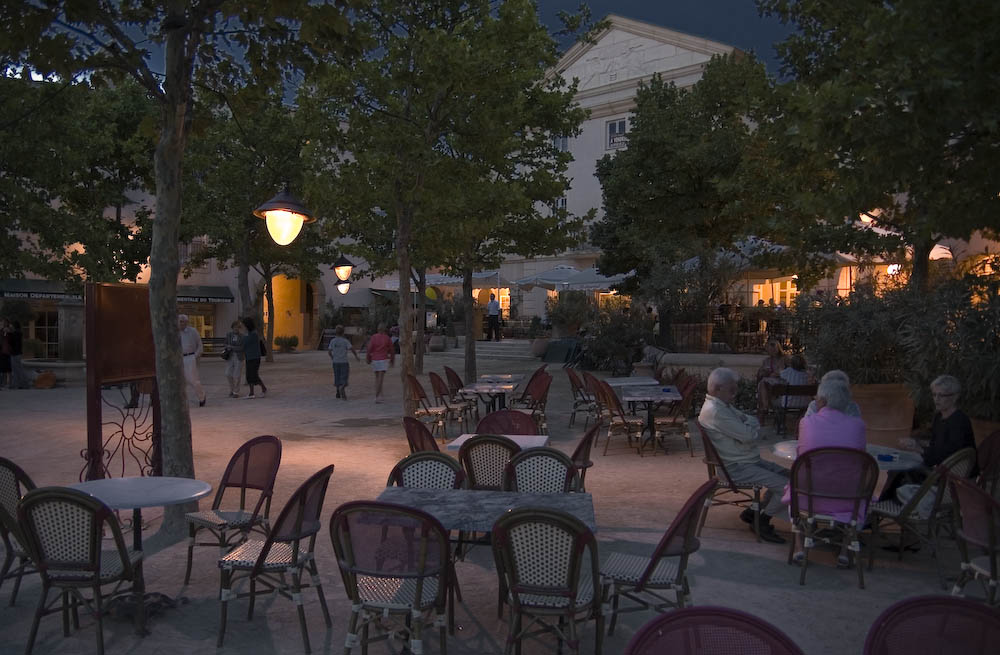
[[570, 310], [286, 343]]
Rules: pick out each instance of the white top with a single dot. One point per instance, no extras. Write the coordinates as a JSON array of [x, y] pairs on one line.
[[903, 460], [190, 342], [493, 308], [152, 491], [635, 380], [523, 440]]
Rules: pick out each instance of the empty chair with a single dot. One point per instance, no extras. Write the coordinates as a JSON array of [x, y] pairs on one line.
[[507, 421], [524, 400], [728, 492], [427, 470], [541, 471], [287, 550], [583, 401], [710, 631], [676, 420], [62, 531], [989, 464], [547, 564], [454, 411], [253, 467], [394, 561], [455, 386], [593, 386], [538, 398], [978, 535], [14, 484], [418, 436], [830, 492], [935, 624], [619, 421], [484, 458], [642, 579], [581, 456], [437, 414]]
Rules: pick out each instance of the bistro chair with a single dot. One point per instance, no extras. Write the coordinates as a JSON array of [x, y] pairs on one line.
[[728, 492], [507, 421], [541, 471], [583, 400], [710, 630], [641, 579], [632, 426], [790, 398], [455, 386], [539, 396], [418, 436], [825, 476], [978, 537], [581, 456], [427, 470], [484, 458], [548, 567], [287, 550], [912, 518], [437, 414], [935, 624], [593, 386], [454, 411], [14, 484], [524, 400], [676, 420], [63, 531], [394, 562], [988, 453], [253, 467]]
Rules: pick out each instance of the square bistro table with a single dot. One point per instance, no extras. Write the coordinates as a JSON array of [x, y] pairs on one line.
[[473, 510], [632, 381], [523, 440], [651, 397], [495, 391]]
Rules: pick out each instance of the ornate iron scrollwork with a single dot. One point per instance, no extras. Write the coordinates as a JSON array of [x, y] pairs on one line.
[[128, 445]]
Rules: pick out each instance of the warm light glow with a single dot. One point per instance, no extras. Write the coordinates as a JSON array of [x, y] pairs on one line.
[[893, 269], [342, 272], [283, 226], [343, 287], [865, 218]]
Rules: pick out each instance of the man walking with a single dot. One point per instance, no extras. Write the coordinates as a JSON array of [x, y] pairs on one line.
[[191, 349], [493, 318]]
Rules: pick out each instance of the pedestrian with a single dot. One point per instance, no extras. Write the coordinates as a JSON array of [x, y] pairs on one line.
[[234, 357], [18, 376], [493, 318], [253, 349], [191, 350], [381, 355], [338, 356], [5, 368]]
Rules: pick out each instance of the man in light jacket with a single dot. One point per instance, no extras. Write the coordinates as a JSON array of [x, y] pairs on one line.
[[191, 349]]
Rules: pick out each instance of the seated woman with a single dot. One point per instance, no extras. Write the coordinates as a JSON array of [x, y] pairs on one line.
[[795, 373], [852, 407], [767, 374]]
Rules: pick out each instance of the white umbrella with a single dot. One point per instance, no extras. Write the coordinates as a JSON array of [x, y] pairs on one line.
[[553, 279], [590, 280]]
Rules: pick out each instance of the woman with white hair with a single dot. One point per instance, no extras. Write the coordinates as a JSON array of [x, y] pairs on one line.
[[852, 408]]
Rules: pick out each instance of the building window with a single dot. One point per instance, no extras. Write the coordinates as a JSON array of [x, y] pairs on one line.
[[186, 251], [45, 329], [616, 134], [561, 143], [561, 203]]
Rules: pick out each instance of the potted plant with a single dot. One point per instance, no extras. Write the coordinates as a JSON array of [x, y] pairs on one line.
[[286, 344], [568, 312], [437, 342]]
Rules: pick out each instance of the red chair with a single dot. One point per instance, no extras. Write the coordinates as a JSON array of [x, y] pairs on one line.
[[437, 414], [14, 484], [581, 456], [989, 464], [507, 421], [524, 400], [935, 624], [442, 396], [676, 420], [632, 426], [729, 492], [583, 401], [978, 527], [455, 386], [539, 396], [710, 631], [418, 436]]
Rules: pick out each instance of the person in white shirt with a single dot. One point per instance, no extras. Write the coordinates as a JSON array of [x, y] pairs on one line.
[[191, 349], [493, 318], [736, 437]]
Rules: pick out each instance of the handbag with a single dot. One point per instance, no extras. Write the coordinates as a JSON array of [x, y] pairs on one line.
[[226, 353]]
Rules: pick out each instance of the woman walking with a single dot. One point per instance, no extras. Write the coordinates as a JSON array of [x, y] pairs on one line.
[[252, 353], [235, 358], [380, 355], [339, 346]]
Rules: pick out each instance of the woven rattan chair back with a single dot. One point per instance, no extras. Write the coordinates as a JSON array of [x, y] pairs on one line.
[[935, 624], [716, 467], [611, 400], [838, 475], [418, 436], [581, 455], [988, 453], [957, 465], [590, 383], [541, 471], [427, 470], [484, 458], [253, 466], [537, 389], [417, 393], [455, 383], [63, 530], [299, 518], [688, 631], [978, 515], [441, 392], [14, 484], [525, 397], [576, 385], [507, 421]]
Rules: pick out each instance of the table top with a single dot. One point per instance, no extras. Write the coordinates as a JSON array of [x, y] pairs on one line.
[[474, 510], [523, 440], [488, 387], [500, 377], [633, 381], [649, 394], [152, 491], [904, 460]]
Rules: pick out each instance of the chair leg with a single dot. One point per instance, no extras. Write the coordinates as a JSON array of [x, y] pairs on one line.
[[38, 617], [192, 532], [614, 611], [253, 597], [99, 612], [314, 575], [352, 631], [224, 584], [22, 565], [139, 589], [297, 595], [7, 560], [65, 612], [874, 541]]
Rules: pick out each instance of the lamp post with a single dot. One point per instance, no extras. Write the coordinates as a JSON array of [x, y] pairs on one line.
[[342, 269], [284, 215]]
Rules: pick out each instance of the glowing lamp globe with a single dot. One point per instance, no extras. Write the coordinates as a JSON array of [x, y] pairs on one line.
[[343, 287], [284, 215], [342, 268]]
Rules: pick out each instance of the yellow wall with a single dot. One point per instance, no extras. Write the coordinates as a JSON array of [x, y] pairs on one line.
[[288, 303]]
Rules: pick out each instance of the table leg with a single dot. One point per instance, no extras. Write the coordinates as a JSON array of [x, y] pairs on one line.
[[502, 400], [137, 529]]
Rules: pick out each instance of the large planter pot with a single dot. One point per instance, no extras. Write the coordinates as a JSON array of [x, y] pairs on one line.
[[692, 337], [539, 346], [887, 410], [436, 343], [983, 428]]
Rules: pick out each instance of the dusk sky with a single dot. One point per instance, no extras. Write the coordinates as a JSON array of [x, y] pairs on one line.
[[733, 22]]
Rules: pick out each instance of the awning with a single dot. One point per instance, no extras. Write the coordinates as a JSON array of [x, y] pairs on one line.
[[389, 294], [36, 290], [203, 294], [480, 279], [590, 280], [553, 279]]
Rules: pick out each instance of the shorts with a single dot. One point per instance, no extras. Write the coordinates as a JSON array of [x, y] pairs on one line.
[[380, 365]]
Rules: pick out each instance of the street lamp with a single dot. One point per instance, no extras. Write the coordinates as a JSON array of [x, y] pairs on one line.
[[342, 269], [284, 215]]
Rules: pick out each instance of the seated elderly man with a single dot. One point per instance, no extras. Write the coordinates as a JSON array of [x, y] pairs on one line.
[[736, 436]]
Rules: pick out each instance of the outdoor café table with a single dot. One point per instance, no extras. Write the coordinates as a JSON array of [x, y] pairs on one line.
[[522, 440], [888, 459], [651, 397], [473, 510], [496, 391], [633, 381], [501, 378]]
